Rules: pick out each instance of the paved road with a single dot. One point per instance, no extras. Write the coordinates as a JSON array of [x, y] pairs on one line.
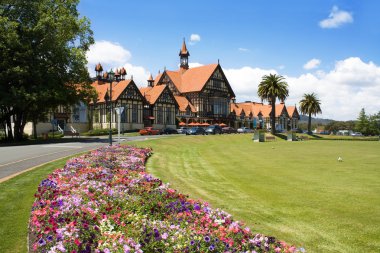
[[17, 159]]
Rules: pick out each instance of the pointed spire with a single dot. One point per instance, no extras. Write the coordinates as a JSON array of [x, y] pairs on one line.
[[123, 71], [150, 81], [184, 58], [98, 67], [184, 49], [98, 70]]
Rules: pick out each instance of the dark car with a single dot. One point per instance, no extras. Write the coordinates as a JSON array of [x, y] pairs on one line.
[[195, 131], [214, 129], [229, 130], [168, 130], [182, 130]]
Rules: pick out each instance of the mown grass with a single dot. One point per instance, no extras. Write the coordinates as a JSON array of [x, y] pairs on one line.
[[296, 191], [16, 199]]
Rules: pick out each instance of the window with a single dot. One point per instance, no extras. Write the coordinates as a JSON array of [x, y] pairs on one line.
[[169, 115], [160, 115], [134, 113]]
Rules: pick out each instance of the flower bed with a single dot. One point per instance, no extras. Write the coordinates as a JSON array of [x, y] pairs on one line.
[[104, 201]]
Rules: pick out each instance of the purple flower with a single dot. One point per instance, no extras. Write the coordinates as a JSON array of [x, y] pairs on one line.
[[207, 238], [41, 242]]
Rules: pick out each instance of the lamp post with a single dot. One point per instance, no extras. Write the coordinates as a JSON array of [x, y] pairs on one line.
[[111, 76]]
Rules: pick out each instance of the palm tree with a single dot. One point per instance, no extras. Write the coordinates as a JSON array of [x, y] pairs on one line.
[[271, 87], [310, 104]]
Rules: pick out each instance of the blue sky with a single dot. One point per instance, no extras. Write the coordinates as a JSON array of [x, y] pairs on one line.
[[328, 47]]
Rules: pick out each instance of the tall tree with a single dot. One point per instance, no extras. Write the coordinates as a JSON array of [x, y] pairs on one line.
[[42, 58], [362, 123], [310, 105], [271, 87]]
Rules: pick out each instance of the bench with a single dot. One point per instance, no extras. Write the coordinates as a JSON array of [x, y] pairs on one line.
[[68, 133], [270, 138]]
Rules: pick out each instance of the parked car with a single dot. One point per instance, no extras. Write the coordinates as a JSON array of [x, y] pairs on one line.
[[356, 134], [244, 130], [168, 130], [196, 131], [182, 130], [149, 131], [214, 129], [229, 130]]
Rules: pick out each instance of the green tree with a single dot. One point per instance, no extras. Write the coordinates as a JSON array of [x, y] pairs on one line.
[[374, 124], [271, 87], [310, 105], [42, 58], [362, 123]]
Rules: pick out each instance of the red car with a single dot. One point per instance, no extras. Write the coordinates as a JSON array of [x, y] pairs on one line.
[[149, 131]]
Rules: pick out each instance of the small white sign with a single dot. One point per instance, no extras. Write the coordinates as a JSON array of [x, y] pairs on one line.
[[119, 110]]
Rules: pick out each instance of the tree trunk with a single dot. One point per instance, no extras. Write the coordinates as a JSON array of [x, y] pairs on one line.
[[309, 124], [273, 116], [35, 129], [9, 129], [19, 124]]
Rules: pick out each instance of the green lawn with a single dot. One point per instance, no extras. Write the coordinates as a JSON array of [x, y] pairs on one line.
[[296, 191], [16, 199]]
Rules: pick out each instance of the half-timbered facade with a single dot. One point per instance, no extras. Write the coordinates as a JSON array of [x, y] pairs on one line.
[[125, 94], [257, 116], [160, 107], [204, 89]]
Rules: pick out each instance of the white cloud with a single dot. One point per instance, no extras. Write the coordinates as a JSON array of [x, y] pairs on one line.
[[336, 18], [244, 81], [243, 49], [312, 64], [194, 64], [108, 53], [113, 55], [351, 85], [195, 38]]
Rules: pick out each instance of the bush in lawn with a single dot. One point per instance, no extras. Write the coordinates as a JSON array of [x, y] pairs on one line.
[[104, 201]]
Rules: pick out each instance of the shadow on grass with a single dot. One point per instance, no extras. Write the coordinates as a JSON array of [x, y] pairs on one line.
[[281, 136]]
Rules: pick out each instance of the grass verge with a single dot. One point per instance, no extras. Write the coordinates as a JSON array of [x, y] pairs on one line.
[[296, 191], [16, 199]]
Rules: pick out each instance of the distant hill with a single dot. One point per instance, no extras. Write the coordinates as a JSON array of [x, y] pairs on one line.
[[304, 119]]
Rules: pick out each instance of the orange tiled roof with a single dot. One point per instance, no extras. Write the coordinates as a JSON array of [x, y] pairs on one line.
[[252, 107], [152, 93], [280, 108], [193, 80], [157, 79], [292, 111], [183, 103], [117, 88]]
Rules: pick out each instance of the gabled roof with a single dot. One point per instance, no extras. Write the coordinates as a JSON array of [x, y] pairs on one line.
[[292, 111], [151, 94], [280, 108], [117, 88], [193, 80], [183, 103], [157, 79]]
